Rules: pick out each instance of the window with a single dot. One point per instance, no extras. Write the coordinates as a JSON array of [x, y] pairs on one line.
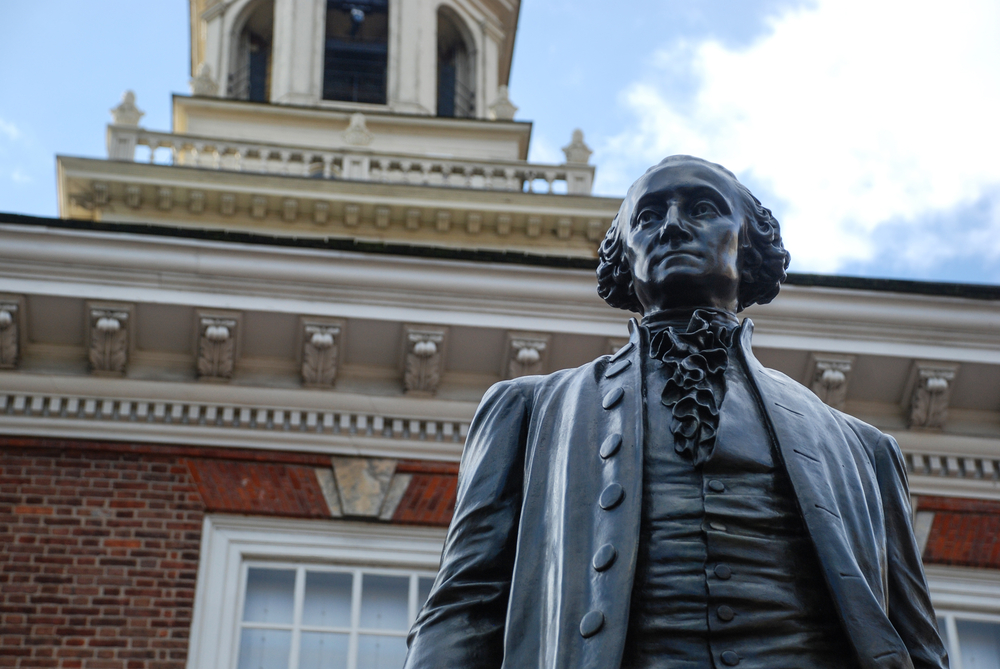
[[303, 594], [456, 68], [357, 51], [250, 78], [306, 617], [973, 643]]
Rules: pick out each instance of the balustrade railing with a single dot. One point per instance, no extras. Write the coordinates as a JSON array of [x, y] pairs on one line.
[[358, 164]]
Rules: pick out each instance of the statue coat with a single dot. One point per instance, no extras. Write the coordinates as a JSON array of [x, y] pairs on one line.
[[517, 579]]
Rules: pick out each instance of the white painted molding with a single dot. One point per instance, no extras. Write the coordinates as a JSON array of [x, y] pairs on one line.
[[231, 416], [964, 590]]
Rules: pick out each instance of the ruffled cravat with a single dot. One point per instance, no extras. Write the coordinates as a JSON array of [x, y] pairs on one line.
[[695, 357]]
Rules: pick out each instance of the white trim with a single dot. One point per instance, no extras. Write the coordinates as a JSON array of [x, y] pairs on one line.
[[973, 593], [227, 542]]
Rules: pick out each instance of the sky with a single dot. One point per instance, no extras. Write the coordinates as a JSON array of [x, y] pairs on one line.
[[871, 128]]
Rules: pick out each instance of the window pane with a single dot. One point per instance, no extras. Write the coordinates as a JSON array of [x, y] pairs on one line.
[[328, 599], [320, 650], [381, 652], [264, 649], [423, 590], [270, 596], [384, 602], [979, 643]]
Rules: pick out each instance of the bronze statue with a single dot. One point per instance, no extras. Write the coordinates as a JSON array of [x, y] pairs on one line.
[[676, 505]]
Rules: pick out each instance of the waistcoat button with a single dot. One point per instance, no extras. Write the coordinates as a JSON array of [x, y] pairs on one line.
[[617, 368], [612, 397], [730, 658], [611, 445], [716, 525], [716, 486], [723, 571], [725, 613], [604, 557], [591, 624], [612, 496]]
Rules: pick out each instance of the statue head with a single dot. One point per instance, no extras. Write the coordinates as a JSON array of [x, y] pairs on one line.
[[690, 235]]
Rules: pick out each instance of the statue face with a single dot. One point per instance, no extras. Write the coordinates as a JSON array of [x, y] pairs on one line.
[[684, 237]]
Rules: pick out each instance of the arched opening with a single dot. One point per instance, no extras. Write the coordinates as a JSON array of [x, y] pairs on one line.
[[250, 74], [456, 78], [357, 50]]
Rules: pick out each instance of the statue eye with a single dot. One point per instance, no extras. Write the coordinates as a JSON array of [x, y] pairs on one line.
[[647, 216], [704, 208]]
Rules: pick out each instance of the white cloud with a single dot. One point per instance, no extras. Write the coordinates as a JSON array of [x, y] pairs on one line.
[[19, 177], [10, 130], [851, 113]]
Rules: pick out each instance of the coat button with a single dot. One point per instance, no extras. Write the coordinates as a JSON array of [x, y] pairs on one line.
[[725, 613], [613, 397], [612, 496], [617, 368], [723, 571], [611, 445], [591, 624], [716, 525], [730, 658], [716, 486], [604, 557]]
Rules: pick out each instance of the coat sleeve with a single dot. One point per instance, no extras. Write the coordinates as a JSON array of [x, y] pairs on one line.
[[462, 622], [909, 603]]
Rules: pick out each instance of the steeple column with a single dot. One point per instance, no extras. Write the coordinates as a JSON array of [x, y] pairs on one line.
[[297, 69]]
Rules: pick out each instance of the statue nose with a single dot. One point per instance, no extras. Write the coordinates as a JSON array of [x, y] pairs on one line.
[[672, 226]]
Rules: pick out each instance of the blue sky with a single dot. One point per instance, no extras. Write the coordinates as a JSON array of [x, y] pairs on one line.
[[871, 129]]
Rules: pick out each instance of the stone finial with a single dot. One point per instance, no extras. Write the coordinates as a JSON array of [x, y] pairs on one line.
[[357, 133], [932, 384], [502, 108], [126, 113], [320, 353], [108, 352], [577, 151], [9, 342], [829, 376], [526, 353], [423, 363], [216, 347], [203, 84]]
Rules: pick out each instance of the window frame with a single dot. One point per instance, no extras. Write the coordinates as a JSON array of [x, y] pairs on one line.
[[962, 593], [230, 545]]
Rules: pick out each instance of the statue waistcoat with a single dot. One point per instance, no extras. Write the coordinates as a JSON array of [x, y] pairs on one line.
[[726, 574]]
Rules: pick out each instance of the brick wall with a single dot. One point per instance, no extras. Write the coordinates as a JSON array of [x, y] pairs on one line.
[[965, 532], [99, 559]]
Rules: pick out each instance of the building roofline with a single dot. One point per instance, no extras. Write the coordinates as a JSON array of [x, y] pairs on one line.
[[906, 286]]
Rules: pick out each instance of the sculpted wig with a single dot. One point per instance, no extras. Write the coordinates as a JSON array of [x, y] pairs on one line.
[[762, 257]]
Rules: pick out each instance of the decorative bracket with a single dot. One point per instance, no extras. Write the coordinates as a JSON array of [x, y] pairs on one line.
[[216, 346], [527, 353], [422, 366], [829, 376], [108, 345], [930, 392], [320, 352], [10, 332]]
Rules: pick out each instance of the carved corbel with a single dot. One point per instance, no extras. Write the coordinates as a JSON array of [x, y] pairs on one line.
[[527, 353], [931, 384], [108, 332], [216, 346], [829, 376], [10, 332], [423, 359], [320, 352]]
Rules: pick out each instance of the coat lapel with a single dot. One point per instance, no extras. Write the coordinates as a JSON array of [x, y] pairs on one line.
[[815, 453]]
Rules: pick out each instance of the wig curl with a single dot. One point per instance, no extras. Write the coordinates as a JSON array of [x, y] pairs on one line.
[[762, 256]]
